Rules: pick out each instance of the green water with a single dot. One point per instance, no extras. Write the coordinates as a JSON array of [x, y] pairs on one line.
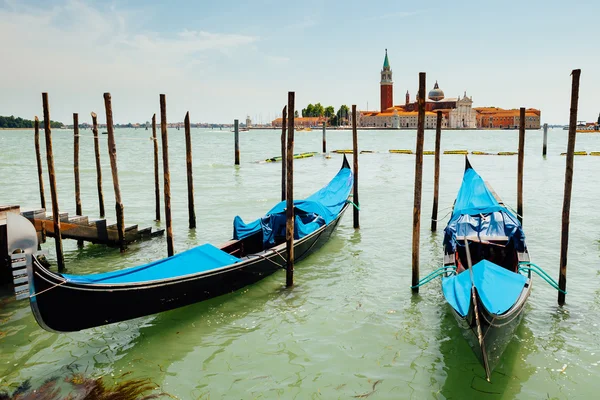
[[351, 324]]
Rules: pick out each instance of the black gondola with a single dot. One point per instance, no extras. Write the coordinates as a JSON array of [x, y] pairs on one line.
[[257, 250], [484, 247]]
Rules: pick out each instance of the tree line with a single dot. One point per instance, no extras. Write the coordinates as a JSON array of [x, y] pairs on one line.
[[12, 122], [333, 118]]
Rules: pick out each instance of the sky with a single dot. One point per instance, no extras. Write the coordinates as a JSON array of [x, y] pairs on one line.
[[223, 60]]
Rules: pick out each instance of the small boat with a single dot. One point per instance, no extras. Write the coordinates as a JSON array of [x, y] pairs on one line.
[[67, 303], [485, 280]]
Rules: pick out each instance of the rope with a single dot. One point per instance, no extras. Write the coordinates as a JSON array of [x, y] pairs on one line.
[[45, 290], [543, 274], [268, 259], [435, 274], [350, 202], [440, 219]]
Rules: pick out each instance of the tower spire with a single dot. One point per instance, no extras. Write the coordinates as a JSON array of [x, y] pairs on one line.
[[386, 84]]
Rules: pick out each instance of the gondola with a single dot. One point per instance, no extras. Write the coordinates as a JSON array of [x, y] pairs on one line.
[[483, 282], [67, 303]]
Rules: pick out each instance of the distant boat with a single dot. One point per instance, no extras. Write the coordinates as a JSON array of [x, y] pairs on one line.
[[105, 133]]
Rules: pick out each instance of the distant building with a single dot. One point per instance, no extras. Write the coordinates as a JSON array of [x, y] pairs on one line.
[[405, 116], [248, 122], [499, 118], [301, 122], [463, 116]]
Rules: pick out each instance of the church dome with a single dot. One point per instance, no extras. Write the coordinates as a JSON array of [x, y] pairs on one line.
[[436, 94]]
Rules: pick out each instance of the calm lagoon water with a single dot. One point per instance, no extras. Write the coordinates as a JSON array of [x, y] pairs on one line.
[[350, 326]]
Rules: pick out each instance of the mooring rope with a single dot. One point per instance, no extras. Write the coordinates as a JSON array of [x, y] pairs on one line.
[[543, 274], [45, 290]]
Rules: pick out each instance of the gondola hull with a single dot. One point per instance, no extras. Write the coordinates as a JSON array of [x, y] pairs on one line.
[[497, 330], [66, 307]]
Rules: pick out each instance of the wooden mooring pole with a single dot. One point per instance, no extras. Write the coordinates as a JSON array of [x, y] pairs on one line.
[[324, 137], [38, 158], [436, 173], [78, 210], [166, 174], [289, 226], [283, 153], [98, 165], [355, 169], [236, 129], [112, 154], [60, 259], [190, 171], [545, 147], [156, 178], [520, 165], [418, 183], [566, 211]]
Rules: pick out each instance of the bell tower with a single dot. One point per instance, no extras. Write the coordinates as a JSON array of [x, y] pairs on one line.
[[407, 98], [387, 86]]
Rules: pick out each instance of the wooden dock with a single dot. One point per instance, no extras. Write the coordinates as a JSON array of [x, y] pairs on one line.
[[82, 228]]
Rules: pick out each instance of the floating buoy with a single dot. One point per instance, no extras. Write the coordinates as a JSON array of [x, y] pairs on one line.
[[481, 153], [507, 153], [366, 151], [456, 152], [428, 153], [401, 151], [344, 151], [299, 155], [594, 153], [576, 153]]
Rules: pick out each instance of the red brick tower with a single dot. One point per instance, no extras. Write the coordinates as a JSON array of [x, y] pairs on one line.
[[387, 86]]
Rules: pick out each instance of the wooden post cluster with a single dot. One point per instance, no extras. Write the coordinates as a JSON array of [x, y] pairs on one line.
[[166, 174], [236, 129], [566, 211], [283, 153], [190, 171], [418, 183], [545, 147], [112, 154], [355, 169], [98, 166], [60, 260], [156, 179], [324, 137], [289, 227], [436, 174], [38, 158], [520, 165]]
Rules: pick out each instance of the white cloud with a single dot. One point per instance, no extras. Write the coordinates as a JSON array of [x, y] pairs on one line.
[[74, 49]]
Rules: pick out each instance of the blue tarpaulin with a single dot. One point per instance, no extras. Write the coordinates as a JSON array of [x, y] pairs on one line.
[[310, 214], [497, 287], [198, 259], [477, 213]]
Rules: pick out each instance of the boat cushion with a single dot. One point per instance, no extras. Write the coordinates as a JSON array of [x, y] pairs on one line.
[[497, 287], [198, 259], [311, 213]]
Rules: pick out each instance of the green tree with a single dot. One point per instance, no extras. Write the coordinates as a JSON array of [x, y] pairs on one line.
[[329, 111], [342, 114], [318, 110]]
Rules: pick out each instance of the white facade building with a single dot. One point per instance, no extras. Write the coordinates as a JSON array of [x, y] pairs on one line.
[[463, 116]]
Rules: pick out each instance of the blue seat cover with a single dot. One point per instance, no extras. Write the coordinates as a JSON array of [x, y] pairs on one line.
[[198, 259], [311, 213], [497, 287]]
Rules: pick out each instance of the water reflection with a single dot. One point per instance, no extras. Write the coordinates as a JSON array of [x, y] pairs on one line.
[[465, 377]]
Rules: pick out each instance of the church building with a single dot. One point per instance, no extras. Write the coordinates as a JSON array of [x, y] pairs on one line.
[[456, 113]]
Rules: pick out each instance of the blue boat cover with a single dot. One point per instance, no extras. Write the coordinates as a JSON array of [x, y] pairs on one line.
[[310, 214], [497, 287], [477, 213], [198, 259]]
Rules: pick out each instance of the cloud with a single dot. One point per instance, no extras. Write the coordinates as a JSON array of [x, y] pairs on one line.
[[74, 40]]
